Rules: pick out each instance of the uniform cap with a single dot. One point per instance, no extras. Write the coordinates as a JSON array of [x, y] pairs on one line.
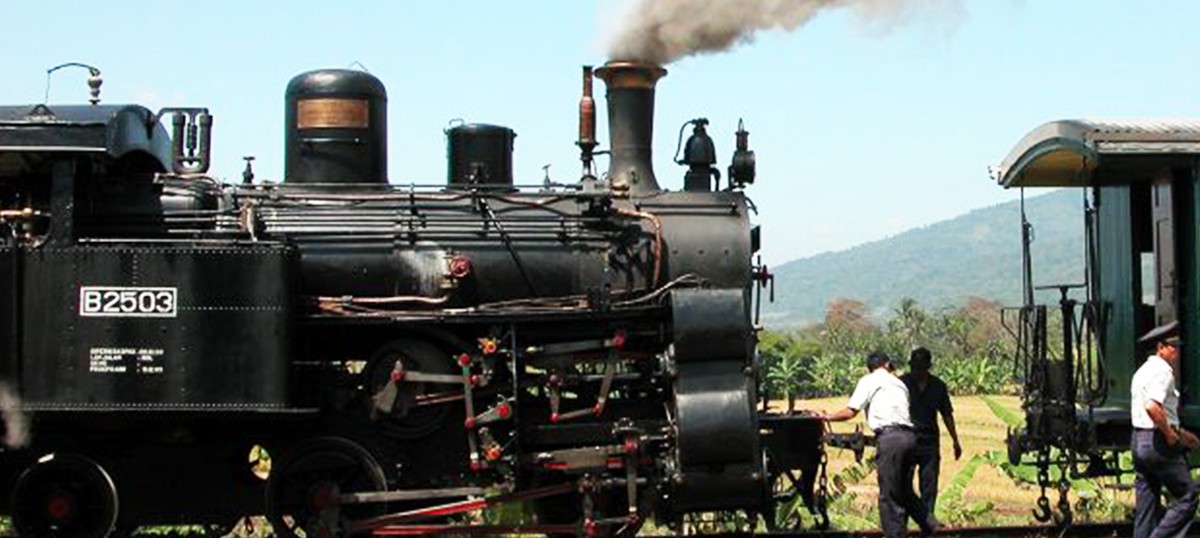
[[1167, 333]]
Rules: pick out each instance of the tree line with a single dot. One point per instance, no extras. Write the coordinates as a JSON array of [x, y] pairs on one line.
[[970, 344]]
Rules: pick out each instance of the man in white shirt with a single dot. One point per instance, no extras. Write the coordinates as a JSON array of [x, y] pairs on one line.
[[885, 399], [1159, 443]]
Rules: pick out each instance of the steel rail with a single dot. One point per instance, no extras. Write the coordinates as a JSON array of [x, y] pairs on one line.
[[1082, 530]]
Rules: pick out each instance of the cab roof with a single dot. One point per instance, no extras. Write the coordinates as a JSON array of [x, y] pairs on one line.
[[112, 130]]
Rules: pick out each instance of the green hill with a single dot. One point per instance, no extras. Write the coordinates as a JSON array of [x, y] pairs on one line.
[[940, 265]]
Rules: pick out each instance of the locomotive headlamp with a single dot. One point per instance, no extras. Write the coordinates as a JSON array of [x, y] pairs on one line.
[[741, 169]]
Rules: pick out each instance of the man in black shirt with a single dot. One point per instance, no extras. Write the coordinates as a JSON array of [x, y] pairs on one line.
[[928, 397]]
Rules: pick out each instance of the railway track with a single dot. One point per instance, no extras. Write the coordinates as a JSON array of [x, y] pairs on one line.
[[1091, 530], [1099, 530], [1096, 530]]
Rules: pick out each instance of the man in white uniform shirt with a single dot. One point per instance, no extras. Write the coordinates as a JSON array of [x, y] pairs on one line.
[[1159, 443], [885, 398]]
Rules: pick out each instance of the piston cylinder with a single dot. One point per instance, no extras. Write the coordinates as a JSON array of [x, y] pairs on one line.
[[336, 128]]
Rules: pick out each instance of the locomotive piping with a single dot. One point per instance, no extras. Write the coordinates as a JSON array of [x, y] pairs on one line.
[[191, 139], [654, 220], [331, 301], [488, 213]]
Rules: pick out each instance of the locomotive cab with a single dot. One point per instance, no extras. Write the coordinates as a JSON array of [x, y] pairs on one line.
[[121, 320]]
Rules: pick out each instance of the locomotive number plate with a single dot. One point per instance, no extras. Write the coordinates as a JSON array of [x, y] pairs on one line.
[[124, 302], [332, 113]]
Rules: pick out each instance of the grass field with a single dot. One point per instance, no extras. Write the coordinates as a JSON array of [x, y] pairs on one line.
[[990, 497]]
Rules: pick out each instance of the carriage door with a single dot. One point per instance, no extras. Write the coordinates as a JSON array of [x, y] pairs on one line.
[[1165, 296]]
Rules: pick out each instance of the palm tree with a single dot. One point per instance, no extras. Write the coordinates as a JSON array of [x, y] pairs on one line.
[[783, 374], [910, 323]]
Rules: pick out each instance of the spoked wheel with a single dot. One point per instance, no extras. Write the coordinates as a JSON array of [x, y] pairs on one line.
[[65, 496], [302, 494]]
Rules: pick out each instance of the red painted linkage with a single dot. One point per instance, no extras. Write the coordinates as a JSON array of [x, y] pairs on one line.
[[393, 524]]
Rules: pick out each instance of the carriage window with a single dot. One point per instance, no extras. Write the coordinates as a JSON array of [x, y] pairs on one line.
[[1148, 273]]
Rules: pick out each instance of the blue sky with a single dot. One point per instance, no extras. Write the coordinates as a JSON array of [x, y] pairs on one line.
[[862, 129]]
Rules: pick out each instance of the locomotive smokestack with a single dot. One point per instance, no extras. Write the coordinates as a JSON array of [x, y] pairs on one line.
[[631, 123]]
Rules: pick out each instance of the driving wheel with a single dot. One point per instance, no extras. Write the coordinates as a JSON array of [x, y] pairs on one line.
[[302, 494], [65, 496]]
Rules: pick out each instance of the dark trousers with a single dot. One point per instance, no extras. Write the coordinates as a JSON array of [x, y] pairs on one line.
[[929, 462], [1161, 467], [895, 464]]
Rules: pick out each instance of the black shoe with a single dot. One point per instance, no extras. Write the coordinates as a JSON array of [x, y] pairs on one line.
[[932, 528]]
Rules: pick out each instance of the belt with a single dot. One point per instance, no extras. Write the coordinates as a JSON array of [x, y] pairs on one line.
[[892, 428], [1152, 430]]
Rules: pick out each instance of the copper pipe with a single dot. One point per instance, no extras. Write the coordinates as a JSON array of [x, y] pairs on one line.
[[26, 213], [657, 223], [382, 300], [338, 305]]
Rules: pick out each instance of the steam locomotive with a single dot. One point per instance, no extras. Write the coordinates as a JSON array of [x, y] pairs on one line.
[[404, 353]]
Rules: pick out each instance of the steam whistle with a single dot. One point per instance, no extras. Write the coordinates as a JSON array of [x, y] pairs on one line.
[[587, 122], [741, 168]]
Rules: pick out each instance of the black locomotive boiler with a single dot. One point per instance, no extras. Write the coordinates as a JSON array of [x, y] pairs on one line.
[[404, 353]]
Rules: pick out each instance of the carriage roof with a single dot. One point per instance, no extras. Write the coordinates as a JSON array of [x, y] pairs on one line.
[[1065, 153]]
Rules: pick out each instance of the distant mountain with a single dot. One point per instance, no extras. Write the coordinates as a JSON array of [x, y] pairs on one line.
[[977, 254]]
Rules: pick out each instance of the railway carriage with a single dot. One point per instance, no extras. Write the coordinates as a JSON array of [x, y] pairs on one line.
[[1138, 189]]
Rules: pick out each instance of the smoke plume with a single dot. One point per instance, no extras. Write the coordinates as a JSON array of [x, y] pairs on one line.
[[662, 31], [16, 428]]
